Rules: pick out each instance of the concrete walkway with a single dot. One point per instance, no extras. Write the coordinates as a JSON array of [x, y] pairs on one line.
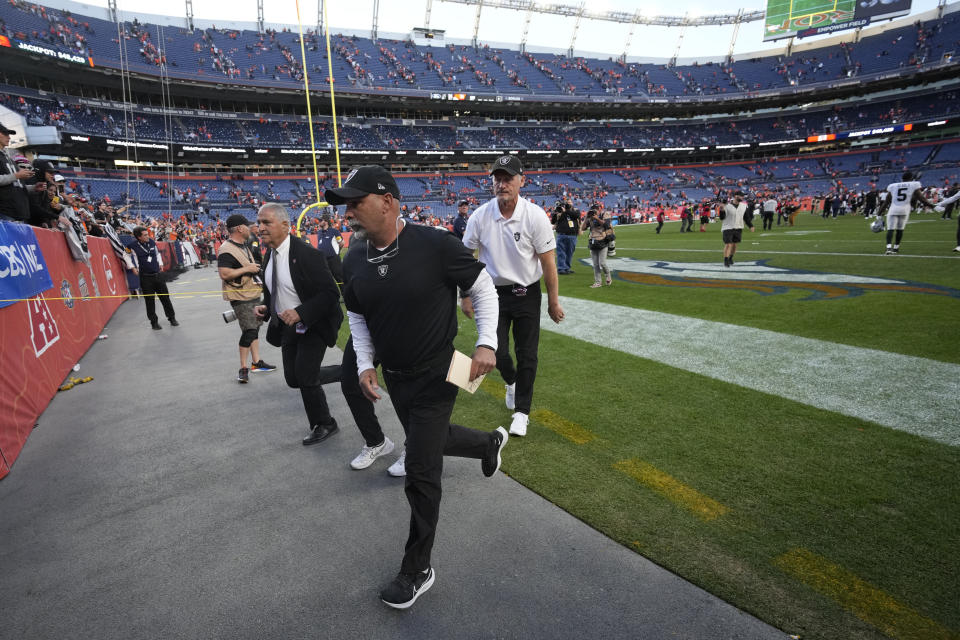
[[164, 500]]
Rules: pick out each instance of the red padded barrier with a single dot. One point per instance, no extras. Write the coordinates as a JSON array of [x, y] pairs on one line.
[[42, 338]]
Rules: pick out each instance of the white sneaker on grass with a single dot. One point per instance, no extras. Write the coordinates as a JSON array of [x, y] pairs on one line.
[[399, 468], [519, 425], [511, 395], [369, 454]]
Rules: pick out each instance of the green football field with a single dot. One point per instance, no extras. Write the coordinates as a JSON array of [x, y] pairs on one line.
[[712, 420], [785, 17]]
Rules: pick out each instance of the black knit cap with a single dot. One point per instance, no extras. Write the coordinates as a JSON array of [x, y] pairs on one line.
[[236, 220]]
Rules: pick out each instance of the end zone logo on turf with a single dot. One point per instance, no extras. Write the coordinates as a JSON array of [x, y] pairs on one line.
[[759, 277]]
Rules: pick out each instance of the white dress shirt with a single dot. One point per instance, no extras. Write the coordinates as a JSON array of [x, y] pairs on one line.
[[286, 296]]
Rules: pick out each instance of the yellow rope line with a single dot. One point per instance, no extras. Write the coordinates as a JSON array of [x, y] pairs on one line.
[[125, 295]]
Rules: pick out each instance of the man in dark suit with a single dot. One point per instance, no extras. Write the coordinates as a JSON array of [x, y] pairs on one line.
[[302, 303]]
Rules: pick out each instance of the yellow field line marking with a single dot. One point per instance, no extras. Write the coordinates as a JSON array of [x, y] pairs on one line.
[[861, 598], [555, 422], [672, 489], [560, 425], [494, 389]]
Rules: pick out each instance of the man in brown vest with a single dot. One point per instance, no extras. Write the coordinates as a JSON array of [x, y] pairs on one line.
[[240, 272]]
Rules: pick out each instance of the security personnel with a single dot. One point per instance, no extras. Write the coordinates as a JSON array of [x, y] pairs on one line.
[[460, 224], [401, 291], [516, 244], [566, 222], [330, 242], [148, 268]]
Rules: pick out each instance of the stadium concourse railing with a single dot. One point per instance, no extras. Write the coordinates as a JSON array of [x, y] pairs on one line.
[[52, 308]]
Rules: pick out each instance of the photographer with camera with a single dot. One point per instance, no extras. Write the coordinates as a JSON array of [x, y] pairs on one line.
[[242, 286], [600, 233]]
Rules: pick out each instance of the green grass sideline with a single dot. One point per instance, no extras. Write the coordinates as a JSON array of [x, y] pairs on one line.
[[879, 503]]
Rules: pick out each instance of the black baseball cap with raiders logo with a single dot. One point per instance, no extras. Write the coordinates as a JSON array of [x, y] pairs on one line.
[[362, 181], [510, 164]]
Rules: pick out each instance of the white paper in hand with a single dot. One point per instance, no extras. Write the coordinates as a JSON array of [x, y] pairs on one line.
[[459, 372]]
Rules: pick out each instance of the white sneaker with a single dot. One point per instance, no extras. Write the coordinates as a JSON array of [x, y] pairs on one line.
[[511, 395], [957, 249], [399, 468], [519, 425], [369, 454]]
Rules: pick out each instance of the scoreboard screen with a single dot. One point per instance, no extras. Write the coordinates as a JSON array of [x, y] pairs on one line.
[[802, 18]]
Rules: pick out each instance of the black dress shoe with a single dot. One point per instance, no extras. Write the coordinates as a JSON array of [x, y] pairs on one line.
[[155, 326], [174, 323], [320, 433]]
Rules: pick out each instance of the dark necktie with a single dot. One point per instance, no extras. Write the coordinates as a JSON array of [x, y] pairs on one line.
[[274, 293]]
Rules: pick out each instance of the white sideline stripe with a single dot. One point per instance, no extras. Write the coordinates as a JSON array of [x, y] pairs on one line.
[[719, 252], [915, 395]]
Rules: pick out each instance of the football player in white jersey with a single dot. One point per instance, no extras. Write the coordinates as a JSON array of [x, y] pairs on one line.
[[941, 207], [897, 206]]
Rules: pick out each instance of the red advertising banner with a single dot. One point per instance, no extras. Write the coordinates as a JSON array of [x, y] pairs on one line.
[[43, 337]]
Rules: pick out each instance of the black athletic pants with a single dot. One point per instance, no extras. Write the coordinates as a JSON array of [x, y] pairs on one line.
[[522, 314], [360, 407], [302, 358], [767, 219], [424, 402], [151, 285]]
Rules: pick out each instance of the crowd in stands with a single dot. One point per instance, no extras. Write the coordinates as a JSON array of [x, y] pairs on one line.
[[272, 57], [192, 205], [73, 116]]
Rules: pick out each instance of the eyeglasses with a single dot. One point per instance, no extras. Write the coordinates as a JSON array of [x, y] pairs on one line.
[[385, 256], [392, 252]]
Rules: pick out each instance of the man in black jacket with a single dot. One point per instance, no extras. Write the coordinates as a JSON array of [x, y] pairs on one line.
[[302, 303]]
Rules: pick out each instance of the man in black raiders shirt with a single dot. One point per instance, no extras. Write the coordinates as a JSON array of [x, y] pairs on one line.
[[400, 289]]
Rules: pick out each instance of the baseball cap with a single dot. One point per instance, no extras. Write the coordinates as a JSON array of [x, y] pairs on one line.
[[236, 220], [58, 178], [508, 163], [44, 166], [462, 203], [362, 181], [3, 129]]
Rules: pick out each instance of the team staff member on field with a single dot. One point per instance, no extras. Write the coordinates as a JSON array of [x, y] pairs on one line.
[[517, 245], [401, 292], [732, 215], [302, 302]]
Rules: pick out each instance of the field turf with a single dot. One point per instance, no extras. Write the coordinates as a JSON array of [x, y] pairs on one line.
[[821, 524]]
